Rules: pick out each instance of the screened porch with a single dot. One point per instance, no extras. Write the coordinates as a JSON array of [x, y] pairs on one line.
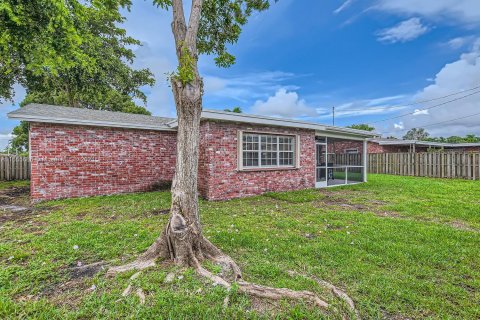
[[340, 161]]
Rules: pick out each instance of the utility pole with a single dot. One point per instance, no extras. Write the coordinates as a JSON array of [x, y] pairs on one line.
[[333, 115]]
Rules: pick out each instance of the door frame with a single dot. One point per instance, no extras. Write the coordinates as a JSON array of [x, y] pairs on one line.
[[321, 184]]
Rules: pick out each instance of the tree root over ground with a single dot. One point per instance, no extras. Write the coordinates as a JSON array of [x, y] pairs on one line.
[[231, 273]]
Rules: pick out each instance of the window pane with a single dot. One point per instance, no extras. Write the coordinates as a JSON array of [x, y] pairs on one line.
[[274, 150], [354, 175], [250, 159], [269, 158], [286, 158]]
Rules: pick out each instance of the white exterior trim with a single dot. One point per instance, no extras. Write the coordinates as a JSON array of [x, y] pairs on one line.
[[97, 123]]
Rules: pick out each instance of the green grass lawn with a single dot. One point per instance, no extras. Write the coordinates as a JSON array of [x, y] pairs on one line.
[[401, 247]]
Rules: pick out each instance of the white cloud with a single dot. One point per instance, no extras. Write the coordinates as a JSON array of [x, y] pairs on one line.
[[467, 11], [244, 88], [457, 43], [419, 112], [399, 126], [407, 30], [365, 107], [377, 101], [284, 104], [457, 76], [344, 6]]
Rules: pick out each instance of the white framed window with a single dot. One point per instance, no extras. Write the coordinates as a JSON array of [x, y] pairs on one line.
[[267, 150]]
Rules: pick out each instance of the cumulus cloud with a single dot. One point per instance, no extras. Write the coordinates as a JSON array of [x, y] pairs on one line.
[[467, 11], [407, 30], [284, 104], [457, 76], [399, 126], [244, 88]]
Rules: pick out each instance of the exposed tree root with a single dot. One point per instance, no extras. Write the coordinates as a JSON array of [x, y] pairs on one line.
[[335, 291], [141, 295], [280, 293], [135, 265], [265, 292], [186, 249]]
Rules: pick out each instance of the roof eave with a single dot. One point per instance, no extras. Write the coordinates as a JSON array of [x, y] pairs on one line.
[[13, 115]]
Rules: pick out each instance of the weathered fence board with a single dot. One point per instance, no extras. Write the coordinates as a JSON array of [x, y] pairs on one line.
[[427, 164], [14, 168]]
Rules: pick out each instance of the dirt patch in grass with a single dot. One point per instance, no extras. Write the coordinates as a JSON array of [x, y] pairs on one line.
[[341, 202], [88, 270], [75, 287], [14, 204]]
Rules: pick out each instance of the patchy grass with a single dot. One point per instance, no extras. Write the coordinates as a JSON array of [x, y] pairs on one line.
[[401, 247]]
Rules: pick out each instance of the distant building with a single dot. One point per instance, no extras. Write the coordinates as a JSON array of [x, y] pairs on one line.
[[398, 145]]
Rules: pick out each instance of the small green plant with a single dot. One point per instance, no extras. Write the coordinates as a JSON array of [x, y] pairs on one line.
[[186, 69]]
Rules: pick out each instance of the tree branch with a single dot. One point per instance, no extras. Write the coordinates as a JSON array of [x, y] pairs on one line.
[[179, 28], [193, 25]]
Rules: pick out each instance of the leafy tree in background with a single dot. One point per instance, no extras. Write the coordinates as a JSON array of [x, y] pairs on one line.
[[362, 126], [234, 110], [416, 134], [422, 135], [71, 53]]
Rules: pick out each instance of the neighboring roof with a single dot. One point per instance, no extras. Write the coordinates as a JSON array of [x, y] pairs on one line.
[[67, 115], [398, 142]]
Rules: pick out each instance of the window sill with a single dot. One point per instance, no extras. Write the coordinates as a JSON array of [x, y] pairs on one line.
[[268, 169]]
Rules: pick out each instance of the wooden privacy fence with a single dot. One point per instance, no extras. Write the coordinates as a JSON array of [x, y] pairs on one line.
[[427, 164], [14, 168]]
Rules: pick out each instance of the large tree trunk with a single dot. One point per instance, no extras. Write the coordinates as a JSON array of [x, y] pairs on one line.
[[184, 231]]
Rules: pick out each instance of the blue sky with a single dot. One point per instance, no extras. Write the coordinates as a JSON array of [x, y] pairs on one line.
[[301, 58]]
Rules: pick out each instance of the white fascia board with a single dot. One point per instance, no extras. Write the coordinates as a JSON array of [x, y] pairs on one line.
[[88, 122]]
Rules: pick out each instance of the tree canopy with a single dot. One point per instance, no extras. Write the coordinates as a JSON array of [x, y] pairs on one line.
[[234, 110], [362, 126], [416, 134], [71, 53], [423, 135]]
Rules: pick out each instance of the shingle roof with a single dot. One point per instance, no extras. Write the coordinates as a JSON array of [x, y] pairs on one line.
[[67, 115], [60, 114]]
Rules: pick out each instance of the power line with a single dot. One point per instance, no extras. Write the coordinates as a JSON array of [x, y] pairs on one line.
[[418, 102], [435, 106], [451, 120]]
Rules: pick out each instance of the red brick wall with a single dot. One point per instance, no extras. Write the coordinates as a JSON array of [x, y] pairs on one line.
[[339, 146], [377, 148], [76, 161], [219, 177]]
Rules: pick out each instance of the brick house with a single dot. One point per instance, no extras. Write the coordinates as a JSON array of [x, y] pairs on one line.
[[397, 145], [79, 152]]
